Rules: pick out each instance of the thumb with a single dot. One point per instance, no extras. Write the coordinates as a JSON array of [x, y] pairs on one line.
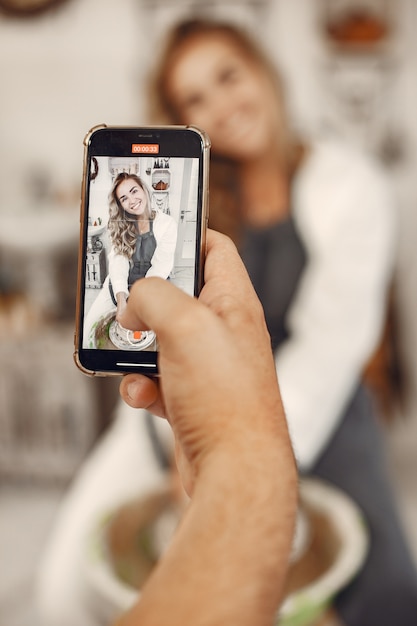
[[153, 301]]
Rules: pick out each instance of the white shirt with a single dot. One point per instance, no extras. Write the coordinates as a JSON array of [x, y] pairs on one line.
[[343, 208]]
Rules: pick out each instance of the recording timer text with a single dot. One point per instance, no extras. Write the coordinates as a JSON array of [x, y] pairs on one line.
[[145, 148]]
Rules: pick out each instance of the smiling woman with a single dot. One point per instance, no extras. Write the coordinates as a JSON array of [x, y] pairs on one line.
[[143, 244], [307, 219], [213, 75]]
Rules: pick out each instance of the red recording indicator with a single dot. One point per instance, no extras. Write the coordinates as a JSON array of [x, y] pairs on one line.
[[145, 148]]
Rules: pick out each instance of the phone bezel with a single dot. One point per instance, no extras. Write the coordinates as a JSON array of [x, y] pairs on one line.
[[103, 140]]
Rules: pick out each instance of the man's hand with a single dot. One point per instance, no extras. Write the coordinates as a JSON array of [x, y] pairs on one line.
[[219, 391], [217, 374]]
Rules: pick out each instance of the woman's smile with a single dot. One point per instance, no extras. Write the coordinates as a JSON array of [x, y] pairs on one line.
[[135, 206]]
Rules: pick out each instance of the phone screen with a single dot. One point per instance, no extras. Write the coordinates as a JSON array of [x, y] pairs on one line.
[[143, 213]]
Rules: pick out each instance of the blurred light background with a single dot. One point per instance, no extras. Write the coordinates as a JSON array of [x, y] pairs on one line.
[[82, 62]]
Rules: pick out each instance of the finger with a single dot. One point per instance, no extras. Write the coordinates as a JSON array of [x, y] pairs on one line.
[[153, 301], [225, 274], [222, 260], [228, 290], [139, 392], [136, 313]]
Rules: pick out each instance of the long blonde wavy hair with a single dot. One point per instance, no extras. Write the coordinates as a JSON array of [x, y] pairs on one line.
[[123, 226], [224, 191]]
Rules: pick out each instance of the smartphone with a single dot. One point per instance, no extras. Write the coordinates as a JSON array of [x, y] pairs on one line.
[[144, 212]]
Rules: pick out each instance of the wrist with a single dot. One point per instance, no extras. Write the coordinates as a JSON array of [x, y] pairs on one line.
[[263, 446], [253, 467], [250, 504]]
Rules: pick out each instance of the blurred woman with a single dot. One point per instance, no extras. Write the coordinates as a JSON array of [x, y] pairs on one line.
[[314, 225], [143, 244]]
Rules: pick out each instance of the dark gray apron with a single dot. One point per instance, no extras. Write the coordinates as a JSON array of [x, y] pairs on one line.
[[141, 260], [385, 591]]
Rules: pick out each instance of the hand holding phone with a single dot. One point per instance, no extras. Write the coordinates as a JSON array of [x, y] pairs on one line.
[[219, 390], [217, 357], [143, 214]]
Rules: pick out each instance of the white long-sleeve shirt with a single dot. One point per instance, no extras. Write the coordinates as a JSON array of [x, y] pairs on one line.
[[343, 208], [165, 230]]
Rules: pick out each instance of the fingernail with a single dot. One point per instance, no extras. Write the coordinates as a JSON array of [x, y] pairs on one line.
[[131, 390]]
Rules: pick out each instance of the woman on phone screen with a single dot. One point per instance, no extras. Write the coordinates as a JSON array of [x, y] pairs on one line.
[[143, 244]]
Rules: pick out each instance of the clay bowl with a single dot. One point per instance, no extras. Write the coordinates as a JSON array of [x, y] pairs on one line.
[[125, 546]]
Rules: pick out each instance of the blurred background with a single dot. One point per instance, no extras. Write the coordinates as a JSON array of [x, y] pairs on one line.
[[350, 67]]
